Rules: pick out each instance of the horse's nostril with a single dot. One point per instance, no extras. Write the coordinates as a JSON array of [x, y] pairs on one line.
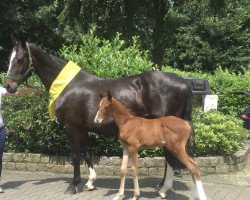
[[7, 87]]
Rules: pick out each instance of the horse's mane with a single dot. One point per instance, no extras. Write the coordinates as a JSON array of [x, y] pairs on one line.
[[50, 51]]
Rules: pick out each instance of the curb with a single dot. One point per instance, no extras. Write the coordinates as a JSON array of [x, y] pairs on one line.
[[111, 165]]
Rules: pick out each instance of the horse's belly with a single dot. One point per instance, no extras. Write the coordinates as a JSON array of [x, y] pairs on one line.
[[151, 134]]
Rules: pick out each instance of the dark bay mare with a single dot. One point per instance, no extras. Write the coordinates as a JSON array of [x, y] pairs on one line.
[[136, 133], [149, 94]]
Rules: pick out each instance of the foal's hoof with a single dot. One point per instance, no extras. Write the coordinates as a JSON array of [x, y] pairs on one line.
[[119, 197], [160, 195], [136, 197], [70, 190]]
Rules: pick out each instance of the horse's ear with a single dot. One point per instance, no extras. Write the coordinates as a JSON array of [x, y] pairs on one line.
[[109, 95], [14, 39]]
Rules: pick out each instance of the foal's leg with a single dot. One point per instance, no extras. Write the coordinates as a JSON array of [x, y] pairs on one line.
[[194, 170], [88, 159], [134, 171], [74, 138], [168, 182], [123, 172]]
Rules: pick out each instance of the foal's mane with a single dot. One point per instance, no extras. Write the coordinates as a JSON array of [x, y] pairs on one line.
[[123, 103]]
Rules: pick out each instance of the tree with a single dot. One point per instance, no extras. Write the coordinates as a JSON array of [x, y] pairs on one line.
[[34, 21], [208, 35], [190, 35]]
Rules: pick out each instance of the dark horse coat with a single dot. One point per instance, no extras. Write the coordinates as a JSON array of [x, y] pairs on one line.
[[149, 94]]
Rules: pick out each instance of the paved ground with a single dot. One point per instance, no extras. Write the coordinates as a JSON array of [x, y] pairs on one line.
[[21, 185]]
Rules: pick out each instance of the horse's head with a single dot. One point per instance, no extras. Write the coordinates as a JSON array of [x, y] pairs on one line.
[[19, 66], [105, 108]]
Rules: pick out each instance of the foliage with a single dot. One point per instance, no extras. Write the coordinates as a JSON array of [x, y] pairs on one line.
[[108, 58], [216, 39], [191, 35], [225, 84], [34, 21], [29, 126], [217, 134]]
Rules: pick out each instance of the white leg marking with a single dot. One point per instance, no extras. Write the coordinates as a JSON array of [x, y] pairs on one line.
[[168, 182], [195, 192], [92, 178], [123, 172], [200, 190], [135, 177], [11, 60]]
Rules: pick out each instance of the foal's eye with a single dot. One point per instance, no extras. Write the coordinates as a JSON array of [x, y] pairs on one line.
[[105, 108]]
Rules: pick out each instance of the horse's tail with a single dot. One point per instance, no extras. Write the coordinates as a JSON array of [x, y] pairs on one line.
[[187, 115], [187, 111]]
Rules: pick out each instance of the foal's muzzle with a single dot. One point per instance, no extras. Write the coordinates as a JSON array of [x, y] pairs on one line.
[[97, 120]]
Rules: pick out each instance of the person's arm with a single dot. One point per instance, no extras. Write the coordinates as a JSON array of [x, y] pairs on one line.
[[25, 91]]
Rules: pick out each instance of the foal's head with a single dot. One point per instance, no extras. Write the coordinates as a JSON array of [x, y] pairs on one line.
[[105, 108]]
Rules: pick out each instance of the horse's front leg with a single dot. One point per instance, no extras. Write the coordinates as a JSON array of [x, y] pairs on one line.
[[85, 145], [74, 138]]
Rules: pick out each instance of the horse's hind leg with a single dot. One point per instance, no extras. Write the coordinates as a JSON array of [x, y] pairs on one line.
[[168, 182], [123, 172], [85, 147]]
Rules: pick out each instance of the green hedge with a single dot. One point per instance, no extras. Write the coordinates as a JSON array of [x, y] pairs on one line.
[[217, 133]]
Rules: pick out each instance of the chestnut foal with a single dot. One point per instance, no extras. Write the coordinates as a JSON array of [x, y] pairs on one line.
[[135, 133]]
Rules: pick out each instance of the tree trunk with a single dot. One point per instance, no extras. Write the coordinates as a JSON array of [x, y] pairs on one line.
[[160, 9]]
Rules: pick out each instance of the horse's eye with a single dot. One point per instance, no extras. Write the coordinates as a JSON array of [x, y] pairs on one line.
[[105, 108], [19, 60]]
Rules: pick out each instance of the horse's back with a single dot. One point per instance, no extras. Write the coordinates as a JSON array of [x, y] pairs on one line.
[[166, 94]]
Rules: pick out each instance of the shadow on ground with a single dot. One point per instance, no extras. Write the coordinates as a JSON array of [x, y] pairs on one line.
[[111, 185]]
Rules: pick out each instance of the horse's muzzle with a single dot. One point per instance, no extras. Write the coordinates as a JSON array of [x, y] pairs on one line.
[[10, 89]]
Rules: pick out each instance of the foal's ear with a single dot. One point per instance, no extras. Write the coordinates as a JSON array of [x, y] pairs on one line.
[[100, 94], [109, 95]]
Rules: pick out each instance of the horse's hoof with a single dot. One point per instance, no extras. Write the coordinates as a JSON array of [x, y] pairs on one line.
[[158, 187], [70, 190], [88, 188]]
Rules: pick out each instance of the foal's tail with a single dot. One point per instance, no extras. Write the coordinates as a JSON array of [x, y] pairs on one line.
[[191, 142], [172, 160]]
